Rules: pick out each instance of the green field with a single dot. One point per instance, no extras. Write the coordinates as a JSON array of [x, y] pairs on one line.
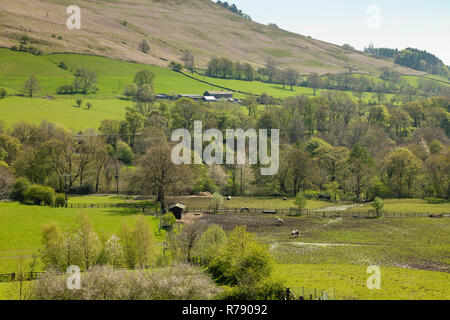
[[349, 282], [63, 112], [20, 228], [409, 205], [113, 75]]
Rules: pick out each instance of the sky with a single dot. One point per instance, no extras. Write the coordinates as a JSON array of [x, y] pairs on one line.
[[422, 24]]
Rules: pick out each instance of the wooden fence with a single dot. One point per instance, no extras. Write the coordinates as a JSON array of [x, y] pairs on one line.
[[26, 276], [306, 294], [150, 209]]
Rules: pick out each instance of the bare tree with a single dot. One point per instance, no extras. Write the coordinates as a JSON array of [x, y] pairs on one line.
[[158, 174]]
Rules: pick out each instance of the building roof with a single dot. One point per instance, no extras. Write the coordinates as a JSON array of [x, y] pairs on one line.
[[177, 205], [191, 96], [212, 93], [210, 98]]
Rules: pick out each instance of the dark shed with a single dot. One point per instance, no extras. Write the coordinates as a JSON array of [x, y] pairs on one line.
[[177, 210]]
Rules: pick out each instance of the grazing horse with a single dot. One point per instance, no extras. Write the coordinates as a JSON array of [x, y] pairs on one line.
[[245, 209], [295, 233], [280, 222]]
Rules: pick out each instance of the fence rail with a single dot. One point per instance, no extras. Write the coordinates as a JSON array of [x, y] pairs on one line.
[[148, 208], [26, 276], [306, 294]]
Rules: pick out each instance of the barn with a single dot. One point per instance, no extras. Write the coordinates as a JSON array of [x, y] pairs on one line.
[[177, 210], [219, 94]]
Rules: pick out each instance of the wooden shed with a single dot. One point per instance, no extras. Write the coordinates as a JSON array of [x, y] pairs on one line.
[[177, 210]]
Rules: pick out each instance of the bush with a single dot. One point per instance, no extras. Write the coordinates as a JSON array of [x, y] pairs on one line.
[[168, 220], [179, 282], [211, 242], [60, 200], [124, 153], [243, 258], [37, 194], [19, 188], [3, 93]]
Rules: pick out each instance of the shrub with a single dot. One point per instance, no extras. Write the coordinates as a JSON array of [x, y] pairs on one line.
[[378, 205], [79, 102], [124, 153], [60, 200], [241, 259], [211, 242], [19, 188], [37, 194], [3, 93], [168, 220], [6, 181], [180, 282]]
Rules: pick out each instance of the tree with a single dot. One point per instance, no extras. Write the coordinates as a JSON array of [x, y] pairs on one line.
[[88, 240], [85, 81], [188, 59], [216, 201], [333, 190], [144, 46], [300, 201], [314, 81], [89, 105], [130, 90], [292, 77], [158, 174], [144, 240], [271, 68], [175, 66], [360, 165], [378, 205], [135, 122], [6, 181], [144, 77], [209, 244], [31, 86], [10, 146], [79, 102], [401, 169]]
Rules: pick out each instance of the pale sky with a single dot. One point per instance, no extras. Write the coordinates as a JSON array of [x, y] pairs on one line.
[[422, 24]]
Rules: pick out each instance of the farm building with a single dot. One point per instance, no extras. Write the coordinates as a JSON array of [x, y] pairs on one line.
[[219, 94], [191, 96], [209, 99], [177, 210]]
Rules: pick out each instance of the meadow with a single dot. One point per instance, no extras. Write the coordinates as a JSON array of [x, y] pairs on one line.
[[20, 228]]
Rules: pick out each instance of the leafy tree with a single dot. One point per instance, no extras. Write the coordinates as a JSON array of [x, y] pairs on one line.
[[209, 244], [130, 90], [144, 46], [216, 201], [401, 169], [360, 164], [31, 86], [333, 190], [314, 81], [378, 205], [144, 77], [79, 102], [85, 81], [300, 201], [19, 188]]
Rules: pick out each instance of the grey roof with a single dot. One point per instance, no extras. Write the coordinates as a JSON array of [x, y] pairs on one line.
[[178, 205]]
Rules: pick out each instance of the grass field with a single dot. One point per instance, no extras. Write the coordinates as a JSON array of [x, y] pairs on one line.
[[61, 111], [409, 205], [20, 228], [113, 75], [349, 281]]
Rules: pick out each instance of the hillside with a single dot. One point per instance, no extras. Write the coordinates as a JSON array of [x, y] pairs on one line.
[[115, 29]]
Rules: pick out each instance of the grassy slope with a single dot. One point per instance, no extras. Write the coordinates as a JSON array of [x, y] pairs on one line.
[[170, 27], [409, 205], [113, 75], [61, 111], [349, 281], [20, 227]]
